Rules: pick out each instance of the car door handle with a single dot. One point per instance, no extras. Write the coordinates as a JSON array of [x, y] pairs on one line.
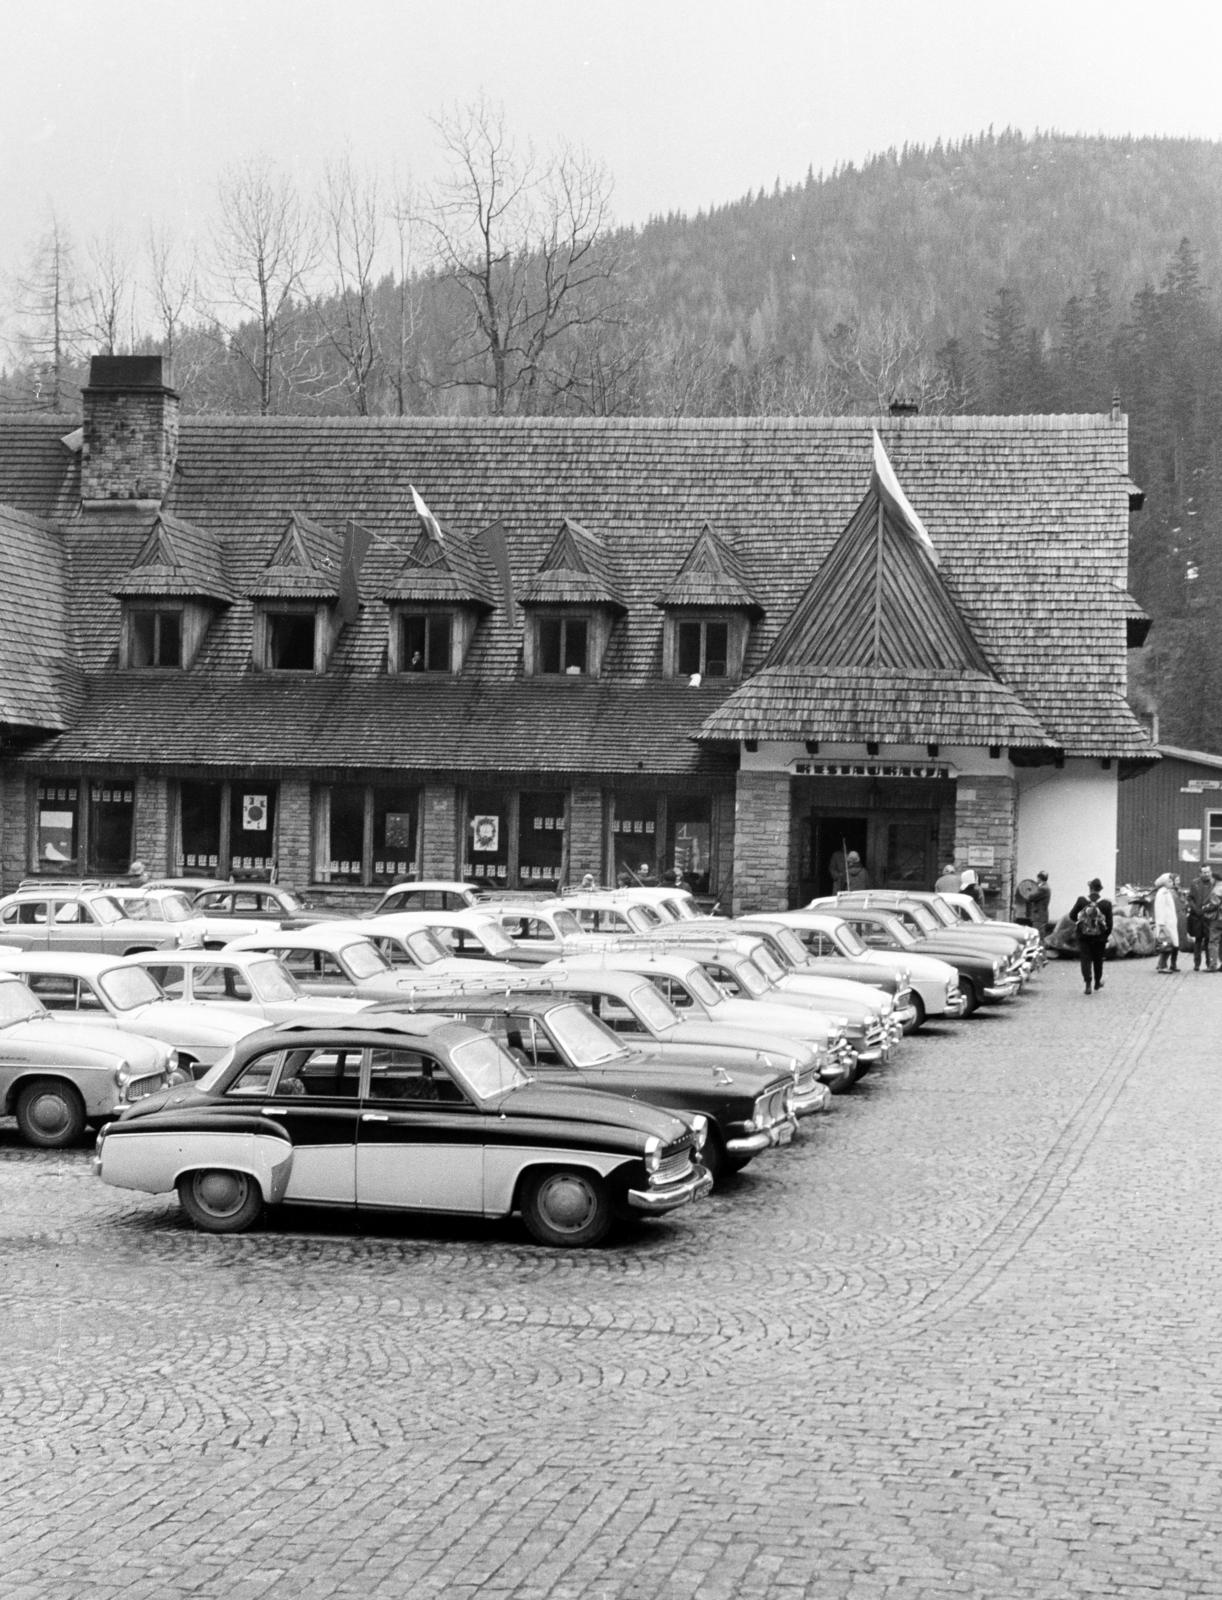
[[275, 1111], [375, 1116]]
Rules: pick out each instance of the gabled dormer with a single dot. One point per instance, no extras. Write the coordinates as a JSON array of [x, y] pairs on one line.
[[709, 608], [174, 588], [296, 599], [435, 603], [571, 605]]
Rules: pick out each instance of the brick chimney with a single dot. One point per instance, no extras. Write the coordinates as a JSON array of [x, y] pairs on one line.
[[130, 435]]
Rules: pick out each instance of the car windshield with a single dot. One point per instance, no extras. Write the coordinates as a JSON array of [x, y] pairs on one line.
[[492, 936], [128, 987], [272, 981], [792, 947], [849, 942], [925, 920], [487, 1068], [767, 963], [704, 989], [162, 908], [17, 1003], [423, 948], [749, 978], [966, 910], [105, 909], [642, 917], [582, 1038], [895, 930], [942, 911], [363, 959], [654, 1008]]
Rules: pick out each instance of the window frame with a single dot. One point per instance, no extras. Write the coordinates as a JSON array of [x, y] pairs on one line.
[[735, 624], [374, 869], [266, 615]]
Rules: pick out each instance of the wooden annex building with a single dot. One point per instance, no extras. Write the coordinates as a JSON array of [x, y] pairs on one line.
[[518, 650]]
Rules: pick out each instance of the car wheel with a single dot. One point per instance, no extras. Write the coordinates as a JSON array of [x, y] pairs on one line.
[[50, 1114], [971, 997], [566, 1207], [714, 1156], [918, 1005], [220, 1201]]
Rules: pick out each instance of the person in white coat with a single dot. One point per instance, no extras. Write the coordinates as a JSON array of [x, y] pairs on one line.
[[1166, 924]]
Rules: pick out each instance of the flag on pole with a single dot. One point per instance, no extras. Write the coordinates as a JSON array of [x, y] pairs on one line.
[[497, 546], [428, 521], [356, 542], [887, 486]]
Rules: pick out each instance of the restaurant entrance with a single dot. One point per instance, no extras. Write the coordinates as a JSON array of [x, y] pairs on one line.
[[897, 834]]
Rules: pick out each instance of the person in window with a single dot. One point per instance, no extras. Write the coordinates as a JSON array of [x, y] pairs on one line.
[[417, 662]]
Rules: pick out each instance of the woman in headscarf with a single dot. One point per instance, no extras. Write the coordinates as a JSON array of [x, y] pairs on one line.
[[1166, 924], [969, 884]]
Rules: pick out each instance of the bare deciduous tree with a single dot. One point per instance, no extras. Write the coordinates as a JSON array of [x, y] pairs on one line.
[[108, 301], [399, 336], [172, 288], [524, 244], [881, 358], [347, 314], [265, 252]]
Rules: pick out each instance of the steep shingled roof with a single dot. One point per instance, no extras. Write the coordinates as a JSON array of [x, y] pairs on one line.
[[177, 559], [304, 565], [1029, 516], [578, 569], [40, 685], [711, 575]]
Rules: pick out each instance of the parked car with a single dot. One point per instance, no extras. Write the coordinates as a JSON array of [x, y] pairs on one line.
[[77, 917], [833, 946], [558, 1039], [791, 955], [333, 958], [237, 904], [402, 1112], [144, 904], [982, 978], [542, 928], [614, 912], [57, 1077], [426, 894], [106, 992], [411, 944], [965, 910], [250, 982], [467, 936], [693, 993], [942, 927]]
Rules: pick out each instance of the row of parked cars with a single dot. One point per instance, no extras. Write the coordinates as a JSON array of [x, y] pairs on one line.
[[573, 1059]]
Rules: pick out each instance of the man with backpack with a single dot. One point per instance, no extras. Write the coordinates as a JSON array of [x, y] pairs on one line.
[[1091, 915]]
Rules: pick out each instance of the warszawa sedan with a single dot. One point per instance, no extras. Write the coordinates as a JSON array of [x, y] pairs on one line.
[[56, 1077], [402, 1112]]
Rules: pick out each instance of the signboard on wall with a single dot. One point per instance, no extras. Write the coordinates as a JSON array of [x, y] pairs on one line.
[[254, 813], [1190, 844], [486, 834]]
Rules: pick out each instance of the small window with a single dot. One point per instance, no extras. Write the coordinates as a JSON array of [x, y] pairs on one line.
[[564, 645], [427, 642], [290, 641], [155, 637], [703, 647], [1213, 836]]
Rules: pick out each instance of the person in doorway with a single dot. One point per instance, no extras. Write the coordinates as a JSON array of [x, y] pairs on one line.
[[1199, 891], [644, 875], [1166, 924], [852, 876], [1091, 915], [948, 880]]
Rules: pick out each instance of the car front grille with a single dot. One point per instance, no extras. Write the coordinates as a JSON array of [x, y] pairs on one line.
[[140, 1088], [675, 1165]]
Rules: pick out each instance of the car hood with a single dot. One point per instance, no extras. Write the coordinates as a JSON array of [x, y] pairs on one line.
[[85, 1044], [182, 1022]]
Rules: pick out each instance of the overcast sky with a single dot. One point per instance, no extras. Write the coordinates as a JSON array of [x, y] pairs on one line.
[[124, 112]]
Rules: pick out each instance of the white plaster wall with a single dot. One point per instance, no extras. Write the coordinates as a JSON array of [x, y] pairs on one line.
[[1067, 826]]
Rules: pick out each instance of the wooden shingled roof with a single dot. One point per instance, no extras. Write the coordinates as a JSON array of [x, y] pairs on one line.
[[443, 566], [577, 570], [711, 575], [1029, 517], [177, 559], [40, 684], [305, 563]]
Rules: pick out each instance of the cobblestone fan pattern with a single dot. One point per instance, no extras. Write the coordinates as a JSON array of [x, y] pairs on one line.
[[961, 1340]]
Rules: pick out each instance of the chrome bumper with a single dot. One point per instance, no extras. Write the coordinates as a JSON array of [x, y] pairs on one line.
[[956, 1004], [1003, 990], [809, 1102], [750, 1144], [656, 1201]]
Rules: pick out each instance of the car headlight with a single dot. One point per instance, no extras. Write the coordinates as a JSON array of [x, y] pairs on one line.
[[653, 1153], [700, 1129], [998, 969], [122, 1073]]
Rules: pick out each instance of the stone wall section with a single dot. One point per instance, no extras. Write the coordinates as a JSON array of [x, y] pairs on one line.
[[129, 445], [586, 853], [439, 832], [761, 843], [986, 817]]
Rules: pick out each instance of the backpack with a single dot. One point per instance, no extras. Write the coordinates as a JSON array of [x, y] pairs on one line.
[[1092, 923]]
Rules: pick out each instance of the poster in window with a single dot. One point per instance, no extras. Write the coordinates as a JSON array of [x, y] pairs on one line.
[[55, 835], [399, 830], [486, 834], [254, 813]]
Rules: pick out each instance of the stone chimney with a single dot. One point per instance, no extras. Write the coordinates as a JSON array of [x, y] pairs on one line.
[[130, 435]]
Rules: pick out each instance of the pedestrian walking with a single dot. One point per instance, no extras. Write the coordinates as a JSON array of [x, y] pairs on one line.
[[1199, 891], [1091, 915], [1166, 924]]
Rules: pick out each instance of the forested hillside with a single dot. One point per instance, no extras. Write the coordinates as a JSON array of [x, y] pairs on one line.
[[1001, 274]]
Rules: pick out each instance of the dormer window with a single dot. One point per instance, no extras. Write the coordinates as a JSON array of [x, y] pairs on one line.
[[423, 641], [564, 645], [288, 637], [703, 647], [154, 636], [710, 644]]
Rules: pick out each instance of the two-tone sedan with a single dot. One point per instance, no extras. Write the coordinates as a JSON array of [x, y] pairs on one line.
[[106, 992], [56, 1077], [252, 983], [399, 1112], [749, 1109]]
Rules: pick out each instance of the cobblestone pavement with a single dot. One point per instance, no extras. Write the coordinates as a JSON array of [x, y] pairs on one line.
[[962, 1339]]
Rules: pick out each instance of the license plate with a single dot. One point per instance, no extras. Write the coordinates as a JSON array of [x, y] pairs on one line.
[[786, 1133]]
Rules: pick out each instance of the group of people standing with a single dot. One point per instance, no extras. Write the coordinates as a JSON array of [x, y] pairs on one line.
[[1192, 919]]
